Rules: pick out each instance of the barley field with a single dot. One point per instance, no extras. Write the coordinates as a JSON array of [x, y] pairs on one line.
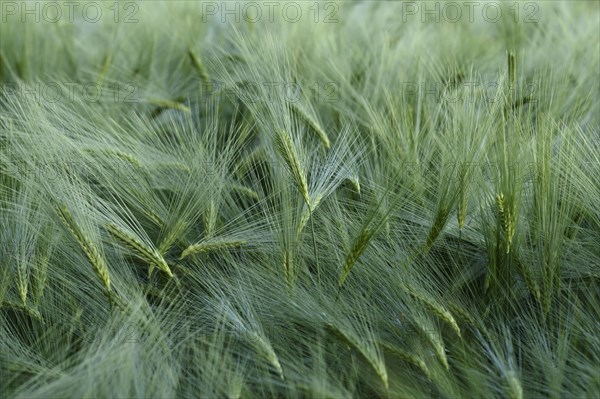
[[300, 199]]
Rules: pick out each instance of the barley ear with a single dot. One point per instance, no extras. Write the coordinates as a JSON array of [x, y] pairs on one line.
[[436, 342], [409, 358], [359, 246], [307, 213], [212, 245], [288, 265], [89, 249], [173, 235], [375, 359], [435, 308], [210, 218], [22, 278], [117, 153], [243, 190], [41, 274], [141, 250], [515, 390], [439, 223], [313, 124], [355, 182], [267, 351], [288, 152], [507, 215], [198, 66]]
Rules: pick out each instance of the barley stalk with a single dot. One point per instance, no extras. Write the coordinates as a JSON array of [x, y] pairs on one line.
[[463, 198], [144, 252], [462, 210], [211, 245], [287, 150], [512, 67], [88, 247], [360, 244], [313, 124]]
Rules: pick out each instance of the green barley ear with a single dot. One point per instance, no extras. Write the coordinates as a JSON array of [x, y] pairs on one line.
[[372, 356], [298, 110], [245, 191], [162, 103], [288, 265], [507, 216], [198, 66], [515, 390], [433, 336], [437, 309], [355, 183], [211, 245], [529, 279], [116, 153], [22, 281], [266, 350], [439, 223], [360, 244], [210, 218], [41, 275], [287, 150], [89, 248], [408, 357], [106, 62], [174, 234], [24, 260], [141, 250], [307, 213]]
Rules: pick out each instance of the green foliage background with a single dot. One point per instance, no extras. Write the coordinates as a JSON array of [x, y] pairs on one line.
[[371, 207]]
